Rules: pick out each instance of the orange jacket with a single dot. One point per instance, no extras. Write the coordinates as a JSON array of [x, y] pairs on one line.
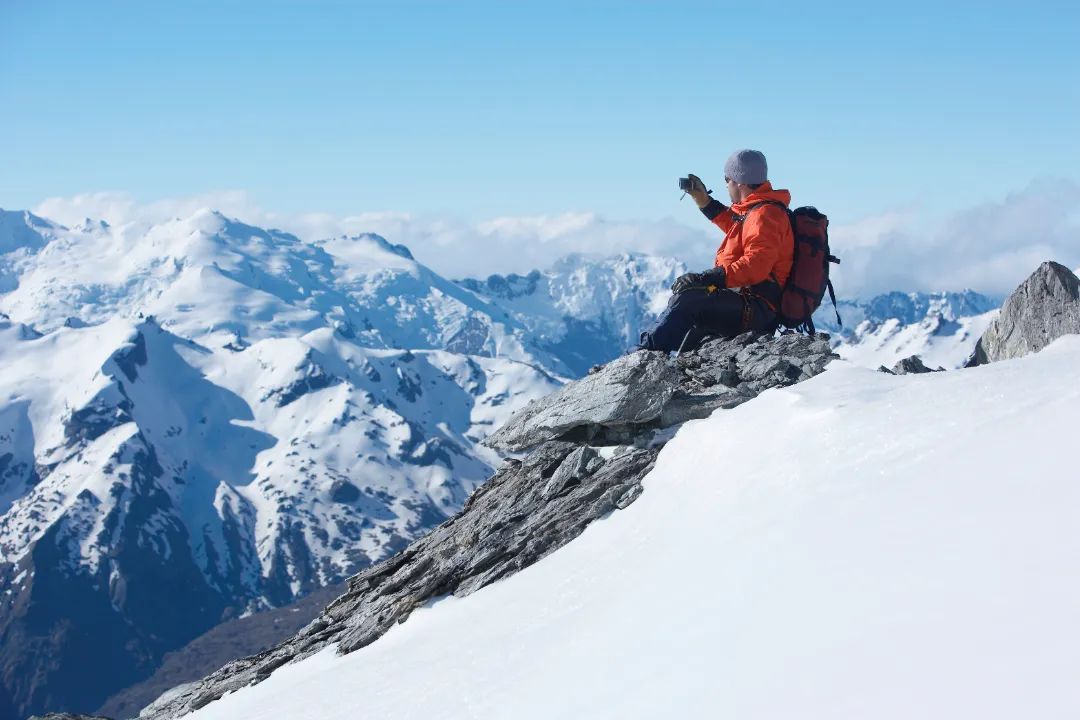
[[760, 247]]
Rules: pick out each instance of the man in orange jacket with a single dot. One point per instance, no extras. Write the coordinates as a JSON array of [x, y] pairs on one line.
[[742, 290]]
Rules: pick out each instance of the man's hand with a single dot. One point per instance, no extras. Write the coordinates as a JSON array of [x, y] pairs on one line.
[[699, 192], [700, 280], [687, 281]]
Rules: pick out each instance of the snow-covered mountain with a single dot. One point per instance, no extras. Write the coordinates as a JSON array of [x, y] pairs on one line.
[[208, 275], [203, 418], [940, 327], [587, 311], [581, 310], [899, 551]]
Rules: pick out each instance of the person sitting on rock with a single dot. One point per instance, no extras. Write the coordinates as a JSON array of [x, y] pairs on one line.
[[742, 291]]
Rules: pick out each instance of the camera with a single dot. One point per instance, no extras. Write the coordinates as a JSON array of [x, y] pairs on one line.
[[691, 183]]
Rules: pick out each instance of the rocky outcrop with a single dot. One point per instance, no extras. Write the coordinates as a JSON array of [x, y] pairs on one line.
[[1044, 307], [588, 447], [910, 366], [645, 391]]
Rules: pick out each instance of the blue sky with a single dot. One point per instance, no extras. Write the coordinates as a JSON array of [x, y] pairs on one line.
[[485, 110]]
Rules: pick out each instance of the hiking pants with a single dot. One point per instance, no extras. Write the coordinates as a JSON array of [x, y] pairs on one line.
[[702, 313]]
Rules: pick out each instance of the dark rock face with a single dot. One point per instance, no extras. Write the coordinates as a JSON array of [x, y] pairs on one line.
[[68, 633], [1044, 307], [506, 287], [225, 642], [314, 377], [72, 631], [343, 491], [533, 506]]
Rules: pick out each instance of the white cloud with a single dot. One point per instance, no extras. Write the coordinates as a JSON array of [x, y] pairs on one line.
[[119, 208], [450, 245], [990, 248], [458, 248]]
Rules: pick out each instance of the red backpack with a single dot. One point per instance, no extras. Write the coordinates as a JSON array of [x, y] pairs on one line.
[[809, 278]]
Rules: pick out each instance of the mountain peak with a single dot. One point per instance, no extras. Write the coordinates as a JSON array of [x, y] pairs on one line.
[[24, 229], [92, 225]]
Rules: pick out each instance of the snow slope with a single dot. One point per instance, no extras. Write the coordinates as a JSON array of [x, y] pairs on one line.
[[907, 553]]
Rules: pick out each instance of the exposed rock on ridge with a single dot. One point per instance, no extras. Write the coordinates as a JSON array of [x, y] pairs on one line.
[[535, 505], [644, 391], [1044, 307], [910, 366]]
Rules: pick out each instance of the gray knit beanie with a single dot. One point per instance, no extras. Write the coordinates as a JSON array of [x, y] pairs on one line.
[[747, 167]]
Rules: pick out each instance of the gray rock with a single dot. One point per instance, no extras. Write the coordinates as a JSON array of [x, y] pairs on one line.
[[910, 366], [626, 393], [646, 391], [572, 470], [1044, 307], [67, 716]]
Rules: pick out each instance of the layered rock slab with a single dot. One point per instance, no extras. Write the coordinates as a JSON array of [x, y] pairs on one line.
[[646, 391]]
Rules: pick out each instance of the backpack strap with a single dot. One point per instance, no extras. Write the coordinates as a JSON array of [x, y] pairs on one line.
[[755, 206], [832, 296], [763, 289]]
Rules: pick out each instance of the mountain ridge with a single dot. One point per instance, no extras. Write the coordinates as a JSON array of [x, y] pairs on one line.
[[224, 418]]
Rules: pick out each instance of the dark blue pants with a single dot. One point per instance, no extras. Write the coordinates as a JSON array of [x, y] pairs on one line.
[[695, 314]]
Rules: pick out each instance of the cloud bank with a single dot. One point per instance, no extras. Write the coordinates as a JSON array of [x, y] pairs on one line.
[[450, 245], [990, 248]]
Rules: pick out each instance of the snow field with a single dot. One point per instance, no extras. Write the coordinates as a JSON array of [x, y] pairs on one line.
[[859, 545]]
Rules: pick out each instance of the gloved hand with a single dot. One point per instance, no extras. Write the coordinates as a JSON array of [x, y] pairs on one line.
[[698, 192], [713, 276]]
